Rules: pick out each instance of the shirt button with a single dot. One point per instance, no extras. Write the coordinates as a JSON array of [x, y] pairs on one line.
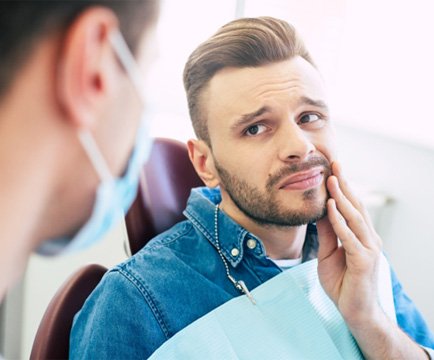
[[251, 243], [235, 252]]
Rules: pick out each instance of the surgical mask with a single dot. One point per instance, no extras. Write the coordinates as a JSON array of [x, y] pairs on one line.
[[114, 196]]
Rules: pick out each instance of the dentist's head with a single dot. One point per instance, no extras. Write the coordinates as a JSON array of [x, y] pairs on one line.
[[72, 131]]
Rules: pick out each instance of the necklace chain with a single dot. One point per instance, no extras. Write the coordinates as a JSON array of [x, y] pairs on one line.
[[239, 285]]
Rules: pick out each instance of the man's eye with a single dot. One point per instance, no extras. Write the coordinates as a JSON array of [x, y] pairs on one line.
[[308, 118], [255, 130]]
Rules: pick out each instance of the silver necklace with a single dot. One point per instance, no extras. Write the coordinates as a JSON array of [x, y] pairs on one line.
[[239, 284]]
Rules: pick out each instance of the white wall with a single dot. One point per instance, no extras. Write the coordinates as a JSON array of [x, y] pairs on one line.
[[384, 77]]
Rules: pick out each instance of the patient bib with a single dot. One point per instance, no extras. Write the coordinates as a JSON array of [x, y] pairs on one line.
[[293, 319]]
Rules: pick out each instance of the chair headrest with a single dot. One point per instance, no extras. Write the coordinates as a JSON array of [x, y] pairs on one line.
[[165, 185]]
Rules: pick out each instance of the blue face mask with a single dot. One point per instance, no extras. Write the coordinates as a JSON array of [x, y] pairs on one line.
[[114, 196]]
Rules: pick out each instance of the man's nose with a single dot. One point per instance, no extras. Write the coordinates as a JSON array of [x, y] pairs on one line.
[[294, 144]]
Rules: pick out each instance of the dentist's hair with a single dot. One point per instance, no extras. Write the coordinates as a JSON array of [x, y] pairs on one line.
[[246, 42], [24, 23]]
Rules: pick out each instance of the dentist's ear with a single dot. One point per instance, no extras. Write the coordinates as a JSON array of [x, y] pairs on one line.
[[86, 66], [203, 162]]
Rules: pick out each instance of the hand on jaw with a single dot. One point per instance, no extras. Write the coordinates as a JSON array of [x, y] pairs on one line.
[[348, 269]]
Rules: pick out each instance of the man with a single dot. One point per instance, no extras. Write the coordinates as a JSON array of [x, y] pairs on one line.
[[265, 152], [70, 108]]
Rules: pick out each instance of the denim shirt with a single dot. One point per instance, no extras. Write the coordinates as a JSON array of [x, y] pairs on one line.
[[179, 277]]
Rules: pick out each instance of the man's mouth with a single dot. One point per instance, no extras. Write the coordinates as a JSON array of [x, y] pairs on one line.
[[303, 180]]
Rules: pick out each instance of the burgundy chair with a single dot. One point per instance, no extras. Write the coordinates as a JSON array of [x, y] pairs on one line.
[[52, 337], [165, 186]]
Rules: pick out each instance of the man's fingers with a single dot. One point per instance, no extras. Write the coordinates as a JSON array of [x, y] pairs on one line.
[[349, 241], [355, 220], [327, 238], [345, 187], [348, 192]]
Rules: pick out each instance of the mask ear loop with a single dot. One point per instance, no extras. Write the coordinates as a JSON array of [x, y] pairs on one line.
[[129, 64], [133, 71], [127, 60], [94, 154]]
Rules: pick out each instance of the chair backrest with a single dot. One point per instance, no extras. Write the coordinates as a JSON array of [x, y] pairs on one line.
[[52, 337], [165, 185]]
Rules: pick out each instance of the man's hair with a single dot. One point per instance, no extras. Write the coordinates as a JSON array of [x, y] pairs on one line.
[[24, 23], [246, 42]]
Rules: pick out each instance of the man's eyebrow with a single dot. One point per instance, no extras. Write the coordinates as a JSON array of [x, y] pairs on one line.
[[317, 103], [247, 118]]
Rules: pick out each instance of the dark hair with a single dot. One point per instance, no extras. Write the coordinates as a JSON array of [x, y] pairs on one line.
[[246, 42], [23, 23]]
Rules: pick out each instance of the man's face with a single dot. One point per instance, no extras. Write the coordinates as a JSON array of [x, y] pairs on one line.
[[271, 141]]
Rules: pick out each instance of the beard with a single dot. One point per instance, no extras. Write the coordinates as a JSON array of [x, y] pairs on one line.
[[264, 208]]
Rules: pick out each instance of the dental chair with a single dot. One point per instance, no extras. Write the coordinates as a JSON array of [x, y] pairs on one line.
[[52, 337], [164, 188]]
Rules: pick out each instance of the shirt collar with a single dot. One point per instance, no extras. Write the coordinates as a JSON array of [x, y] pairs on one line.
[[201, 212]]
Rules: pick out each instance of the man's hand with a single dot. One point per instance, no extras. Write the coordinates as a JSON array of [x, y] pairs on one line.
[[348, 269], [348, 273]]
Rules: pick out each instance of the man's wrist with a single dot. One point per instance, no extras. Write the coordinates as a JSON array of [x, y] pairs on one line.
[[367, 320], [380, 338]]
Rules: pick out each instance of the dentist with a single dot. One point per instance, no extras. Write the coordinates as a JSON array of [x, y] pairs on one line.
[[72, 132]]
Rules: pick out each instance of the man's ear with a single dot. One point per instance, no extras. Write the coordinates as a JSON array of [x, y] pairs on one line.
[[203, 162], [87, 66]]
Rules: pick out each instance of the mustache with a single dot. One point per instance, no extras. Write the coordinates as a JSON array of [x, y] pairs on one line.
[[295, 168]]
